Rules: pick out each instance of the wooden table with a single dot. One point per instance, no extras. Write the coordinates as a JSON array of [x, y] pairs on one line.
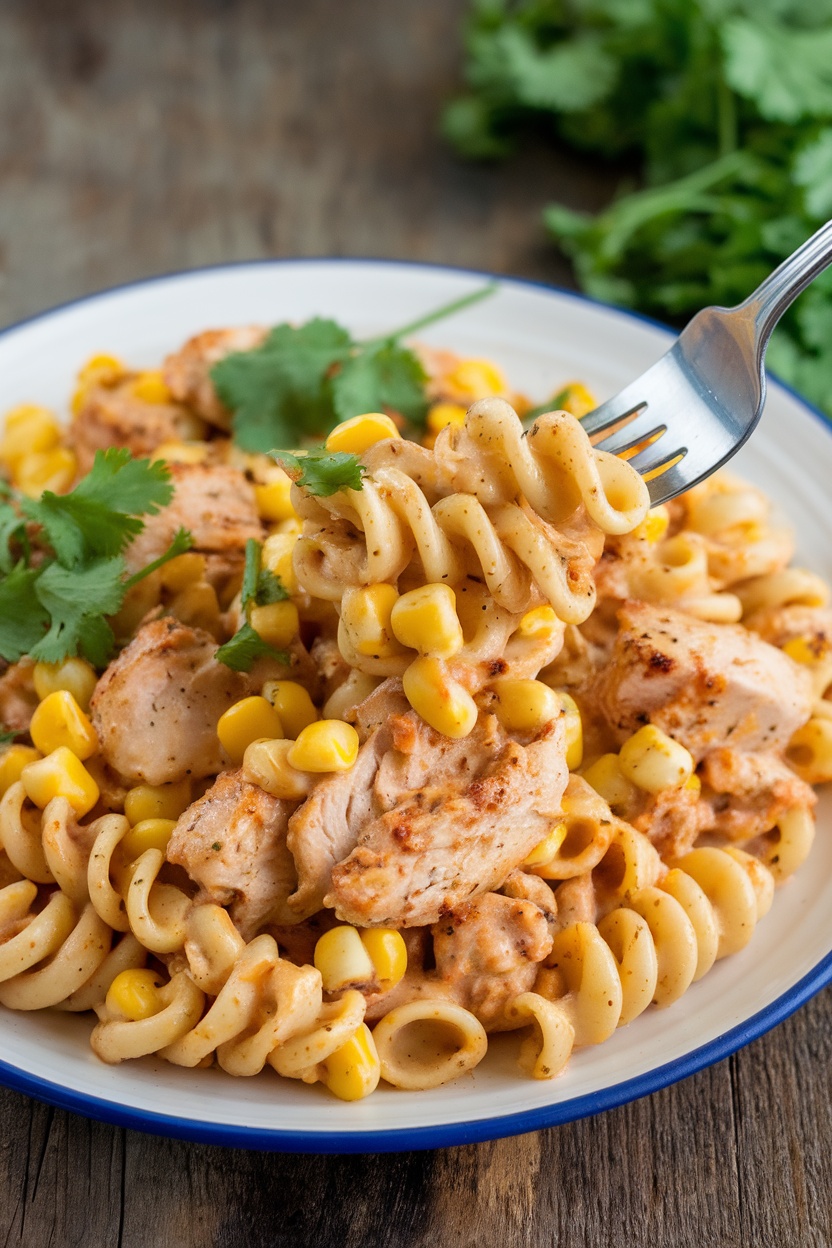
[[142, 138]]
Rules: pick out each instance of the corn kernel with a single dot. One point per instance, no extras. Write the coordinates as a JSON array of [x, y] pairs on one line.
[[443, 414], [60, 774], [157, 801], [292, 703], [184, 570], [476, 379], [353, 1071], [342, 959], [388, 953], [197, 604], [693, 783], [654, 761], [150, 387], [273, 498], [101, 367], [266, 764], [134, 994], [540, 624], [277, 623], [441, 701], [574, 729], [425, 619], [28, 428], [59, 721], [807, 650], [12, 761], [525, 705], [655, 524], [574, 398], [178, 452], [246, 721], [607, 779], [45, 470], [147, 834], [361, 432], [326, 745], [546, 849], [76, 676], [366, 615], [277, 557]]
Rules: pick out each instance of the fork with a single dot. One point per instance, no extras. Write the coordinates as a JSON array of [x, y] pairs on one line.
[[701, 401]]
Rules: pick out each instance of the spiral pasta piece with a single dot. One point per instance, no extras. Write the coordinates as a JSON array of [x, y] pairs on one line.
[[652, 947], [20, 836], [426, 1043], [487, 503]]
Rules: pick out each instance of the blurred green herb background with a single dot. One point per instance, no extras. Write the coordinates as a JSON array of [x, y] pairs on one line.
[[726, 106]]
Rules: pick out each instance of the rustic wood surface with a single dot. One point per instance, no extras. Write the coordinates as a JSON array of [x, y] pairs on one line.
[[150, 135]]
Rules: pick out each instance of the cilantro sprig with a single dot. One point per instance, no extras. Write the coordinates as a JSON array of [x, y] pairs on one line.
[[62, 566], [323, 472], [260, 587], [304, 379], [727, 107]]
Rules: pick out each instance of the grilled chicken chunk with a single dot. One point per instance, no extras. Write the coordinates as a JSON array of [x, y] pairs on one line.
[[115, 416], [747, 793], [156, 707], [422, 822], [216, 504], [18, 699], [187, 372], [447, 820], [232, 843], [704, 684], [487, 952]]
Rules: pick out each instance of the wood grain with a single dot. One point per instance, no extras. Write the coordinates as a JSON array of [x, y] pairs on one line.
[[146, 137]]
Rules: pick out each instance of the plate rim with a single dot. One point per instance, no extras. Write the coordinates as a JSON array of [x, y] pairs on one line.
[[375, 1140]]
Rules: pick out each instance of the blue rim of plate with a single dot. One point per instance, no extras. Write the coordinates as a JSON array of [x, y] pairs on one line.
[[447, 1134]]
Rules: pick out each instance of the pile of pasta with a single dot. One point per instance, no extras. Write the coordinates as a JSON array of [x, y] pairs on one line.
[[472, 590]]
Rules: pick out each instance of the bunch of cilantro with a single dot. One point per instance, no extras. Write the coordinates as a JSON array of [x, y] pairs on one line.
[[62, 567], [727, 107]]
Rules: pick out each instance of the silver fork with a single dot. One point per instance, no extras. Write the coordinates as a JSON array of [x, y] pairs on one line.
[[700, 402]]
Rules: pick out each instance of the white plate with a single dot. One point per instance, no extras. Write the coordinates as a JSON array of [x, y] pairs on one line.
[[542, 338]]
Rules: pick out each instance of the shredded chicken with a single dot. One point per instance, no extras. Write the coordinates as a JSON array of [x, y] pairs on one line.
[[17, 696], [747, 793]]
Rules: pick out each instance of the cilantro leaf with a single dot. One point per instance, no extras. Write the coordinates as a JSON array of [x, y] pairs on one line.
[[323, 472], [12, 529], [102, 514], [23, 618], [76, 600], [381, 376], [280, 392], [245, 647], [7, 735], [260, 587], [303, 379], [786, 73]]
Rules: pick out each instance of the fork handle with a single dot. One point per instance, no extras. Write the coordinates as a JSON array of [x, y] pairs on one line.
[[780, 289]]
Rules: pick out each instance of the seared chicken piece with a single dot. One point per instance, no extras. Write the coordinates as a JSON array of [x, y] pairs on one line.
[[156, 707], [115, 416], [422, 822], [216, 504], [451, 819], [748, 793], [488, 950], [187, 372], [17, 696], [704, 684], [232, 843]]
